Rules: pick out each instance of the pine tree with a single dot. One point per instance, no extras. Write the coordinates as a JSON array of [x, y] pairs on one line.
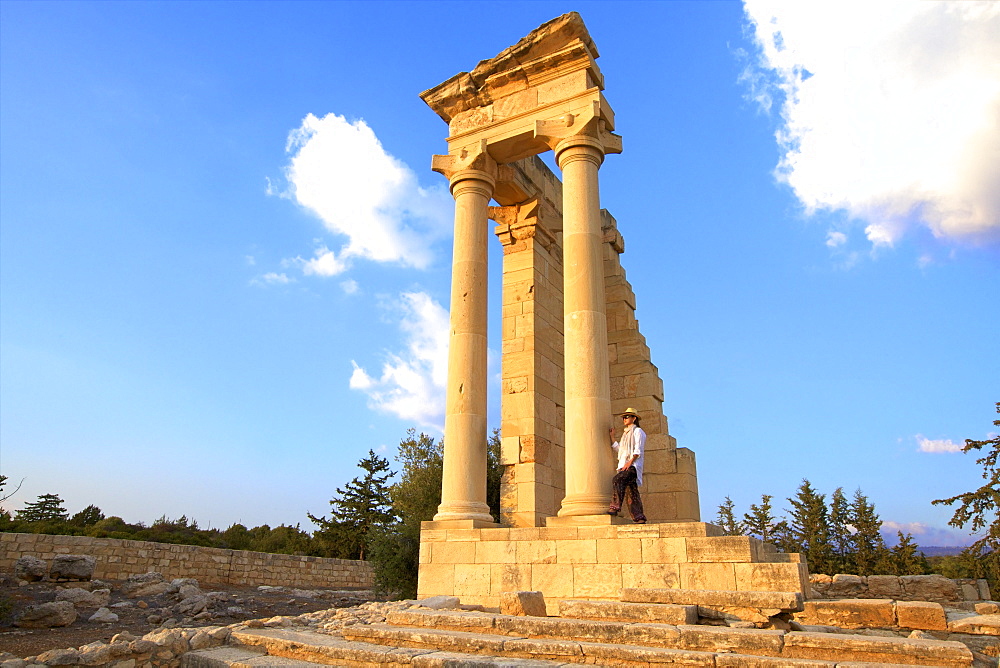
[[48, 507], [980, 509], [89, 516], [726, 519], [760, 521], [870, 554], [809, 529], [362, 506], [841, 532], [905, 559]]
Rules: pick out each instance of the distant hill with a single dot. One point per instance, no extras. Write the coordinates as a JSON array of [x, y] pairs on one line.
[[932, 551]]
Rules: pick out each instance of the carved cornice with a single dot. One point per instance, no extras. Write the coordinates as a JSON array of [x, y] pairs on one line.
[[586, 128]]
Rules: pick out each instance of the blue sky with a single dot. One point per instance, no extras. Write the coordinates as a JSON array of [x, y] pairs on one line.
[[224, 260]]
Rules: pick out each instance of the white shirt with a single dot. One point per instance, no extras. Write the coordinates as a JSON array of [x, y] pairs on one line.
[[633, 442]]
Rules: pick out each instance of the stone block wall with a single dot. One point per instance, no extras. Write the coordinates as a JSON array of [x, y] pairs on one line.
[[533, 364], [118, 559], [596, 562]]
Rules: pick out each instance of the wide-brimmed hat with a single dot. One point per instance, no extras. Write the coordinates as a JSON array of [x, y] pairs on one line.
[[629, 411]]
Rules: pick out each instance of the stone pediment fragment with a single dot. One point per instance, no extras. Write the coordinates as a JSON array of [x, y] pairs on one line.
[[542, 52]]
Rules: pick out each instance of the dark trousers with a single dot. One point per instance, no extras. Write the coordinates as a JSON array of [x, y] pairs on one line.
[[625, 482]]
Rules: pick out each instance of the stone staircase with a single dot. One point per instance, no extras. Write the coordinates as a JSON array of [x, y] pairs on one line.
[[606, 633]]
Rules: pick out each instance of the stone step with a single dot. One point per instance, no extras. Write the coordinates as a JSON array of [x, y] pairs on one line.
[[763, 608], [629, 612], [774, 600], [238, 657], [753, 642], [309, 649]]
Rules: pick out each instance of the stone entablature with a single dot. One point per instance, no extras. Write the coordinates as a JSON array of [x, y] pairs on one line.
[[118, 559]]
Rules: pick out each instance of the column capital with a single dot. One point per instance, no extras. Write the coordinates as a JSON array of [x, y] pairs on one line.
[[471, 163], [588, 129]]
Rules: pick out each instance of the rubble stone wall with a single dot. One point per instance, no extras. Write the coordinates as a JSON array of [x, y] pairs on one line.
[[118, 559]]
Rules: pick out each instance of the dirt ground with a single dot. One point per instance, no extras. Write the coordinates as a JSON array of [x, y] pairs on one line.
[[139, 615]]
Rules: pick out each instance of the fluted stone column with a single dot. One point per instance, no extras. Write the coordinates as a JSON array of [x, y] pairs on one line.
[[589, 466], [463, 485]]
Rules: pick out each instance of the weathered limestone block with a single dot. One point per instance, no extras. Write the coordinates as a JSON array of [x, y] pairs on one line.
[[47, 615], [741, 641], [987, 608], [72, 567], [30, 568], [977, 624], [935, 588], [849, 613], [82, 598], [103, 616], [439, 602], [629, 612], [846, 586], [845, 647], [522, 603], [922, 615], [884, 586]]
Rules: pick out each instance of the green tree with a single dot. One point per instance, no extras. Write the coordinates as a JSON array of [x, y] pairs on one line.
[[726, 518], [362, 506], [494, 473], [870, 554], [905, 560], [760, 521], [809, 529], [395, 550], [89, 516], [980, 510], [841, 536], [236, 537], [47, 508]]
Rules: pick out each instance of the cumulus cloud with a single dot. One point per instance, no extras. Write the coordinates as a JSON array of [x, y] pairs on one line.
[[890, 111], [940, 445], [340, 171], [412, 383]]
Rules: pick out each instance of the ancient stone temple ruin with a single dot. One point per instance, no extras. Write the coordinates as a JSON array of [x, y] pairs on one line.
[[572, 355]]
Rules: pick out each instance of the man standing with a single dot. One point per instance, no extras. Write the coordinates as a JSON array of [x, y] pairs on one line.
[[629, 476]]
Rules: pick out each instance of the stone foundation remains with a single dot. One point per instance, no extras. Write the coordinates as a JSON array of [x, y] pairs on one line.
[[118, 559]]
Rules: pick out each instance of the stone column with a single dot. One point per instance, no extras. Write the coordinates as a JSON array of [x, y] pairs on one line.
[[588, 394], [463, 486]]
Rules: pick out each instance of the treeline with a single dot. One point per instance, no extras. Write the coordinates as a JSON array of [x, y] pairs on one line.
[[370, 517], [842, 535]]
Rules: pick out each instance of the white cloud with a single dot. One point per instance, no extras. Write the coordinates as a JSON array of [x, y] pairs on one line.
[[835, 239], [940, 445], [350, 286], [272, 278], [340, 172], [890, 111], [925, 535], [412, 384]]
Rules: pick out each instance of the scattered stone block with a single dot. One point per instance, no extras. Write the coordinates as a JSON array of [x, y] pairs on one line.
[[522, 603], [849, 613], [72, 567], [984, 590], [922, 615], [846, 586], [987, 608], [47, 615], [103, 616], [976, 624], [30, 568], [439, 602], [82, 598]]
